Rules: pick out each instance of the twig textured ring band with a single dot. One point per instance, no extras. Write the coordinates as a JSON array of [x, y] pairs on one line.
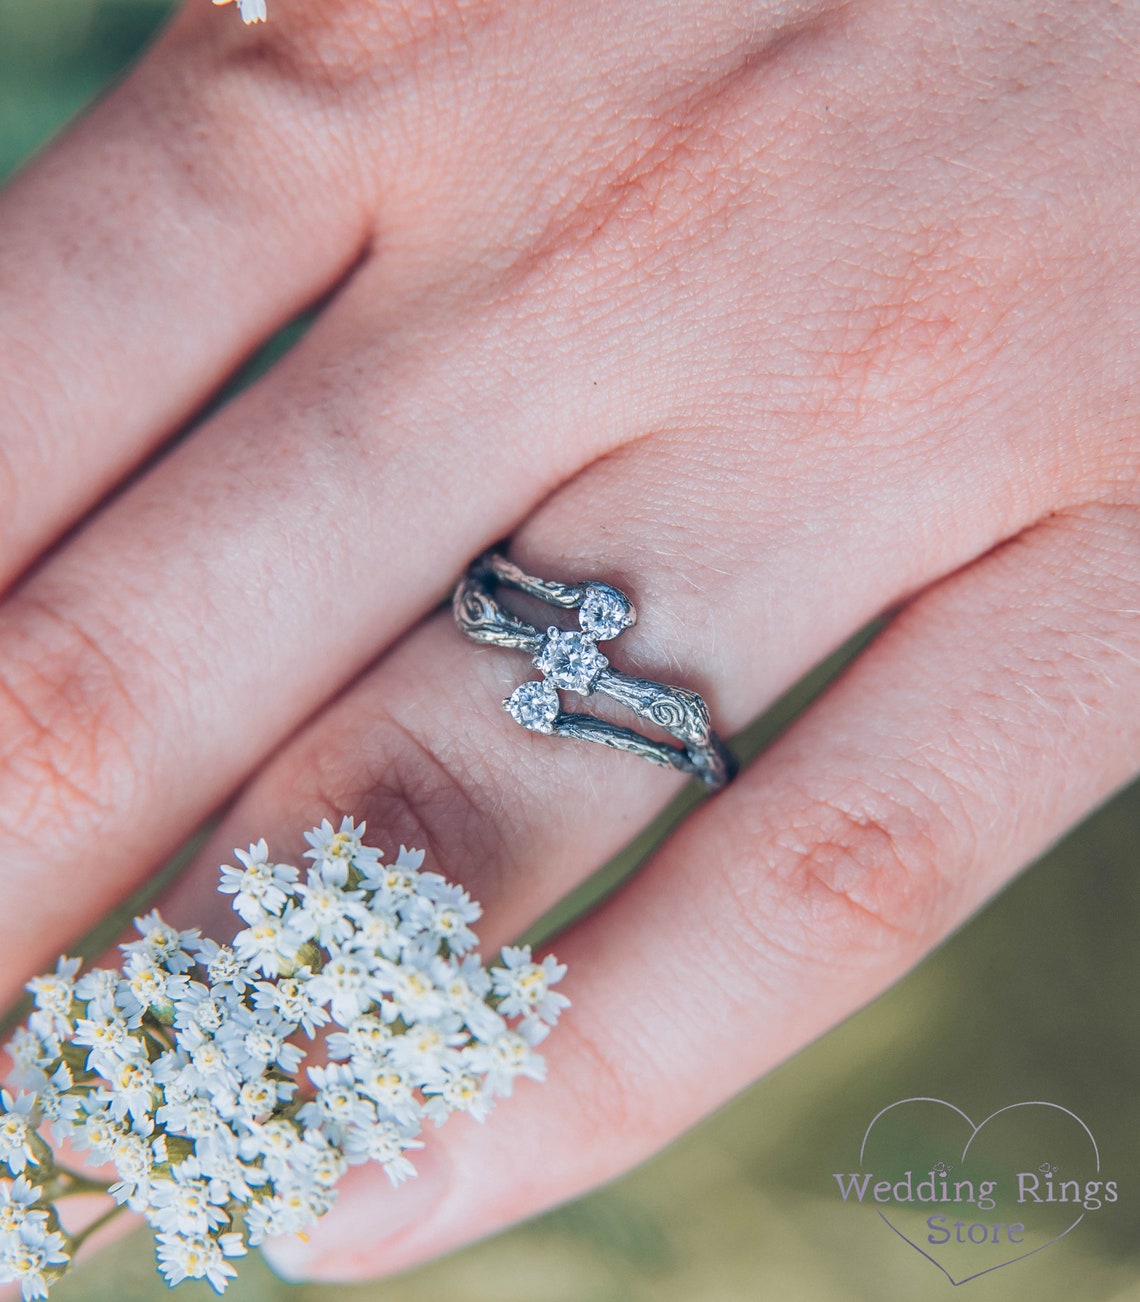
[[570, 661]]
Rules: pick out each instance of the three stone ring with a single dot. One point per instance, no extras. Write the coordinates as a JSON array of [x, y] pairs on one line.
[[570, 661]]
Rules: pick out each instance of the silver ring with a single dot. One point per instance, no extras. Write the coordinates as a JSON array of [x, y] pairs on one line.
[[570, 661]]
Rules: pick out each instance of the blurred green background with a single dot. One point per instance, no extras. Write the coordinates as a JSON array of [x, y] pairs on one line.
[[1037, 998]]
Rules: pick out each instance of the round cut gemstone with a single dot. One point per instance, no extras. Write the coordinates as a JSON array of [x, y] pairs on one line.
[[570, 661], [534, 705], [605, 612]]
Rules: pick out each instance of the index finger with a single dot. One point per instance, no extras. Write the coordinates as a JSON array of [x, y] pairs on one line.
[[143, 255]]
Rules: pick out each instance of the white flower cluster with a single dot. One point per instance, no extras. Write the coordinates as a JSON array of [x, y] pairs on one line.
[[252, 11], [31, 1250], [181, 1069]]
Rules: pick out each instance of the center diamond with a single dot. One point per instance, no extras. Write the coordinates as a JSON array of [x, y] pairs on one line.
[[570, 661]]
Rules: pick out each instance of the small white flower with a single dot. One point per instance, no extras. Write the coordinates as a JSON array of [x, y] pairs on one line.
[[98, 1131], [109, 1040], [365, 1038], [30, 1054], [210, 1066], [290, 1211], [525, 985], [253, 1041], [397, 881], [347, 985], [30, 1256], [198, 1256], [97, 989], [328, 913], [258, 886], [196, 1117], [461, 1090], [426, 1050], [168, 946], [319, 1162], [16, 1202], [256, 1100], [390, 1089], [132, 1089], [511, 1054], [18, 1122], [184, 1204], [337, 1104], [386, 1143], [272, 1142], [223, 968], [228, 1177], [58, 1106], [442, 912], [134, 1160], [174, 1071], [252, 11], [335, 851], [290, 997], [148, 985], [52, 996], [377, 932], [269, 1218], [465, 985], [270, 944], [204, 1008], [413, 989]]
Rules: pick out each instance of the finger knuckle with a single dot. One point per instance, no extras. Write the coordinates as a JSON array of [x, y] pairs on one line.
[[410, 790], [605, 1096], [852, 871], [68, 727], [868, 865], [345, 43]]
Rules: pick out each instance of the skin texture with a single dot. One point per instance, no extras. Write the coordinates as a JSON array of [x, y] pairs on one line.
[[779, 316]]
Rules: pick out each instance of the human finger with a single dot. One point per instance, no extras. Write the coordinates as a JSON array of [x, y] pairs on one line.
[[145, 253], [237, 175]]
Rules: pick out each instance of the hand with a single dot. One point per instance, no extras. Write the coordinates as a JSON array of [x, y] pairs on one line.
[[779, 317]]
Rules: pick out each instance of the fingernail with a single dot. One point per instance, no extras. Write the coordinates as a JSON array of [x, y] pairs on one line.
[[349, 1242]]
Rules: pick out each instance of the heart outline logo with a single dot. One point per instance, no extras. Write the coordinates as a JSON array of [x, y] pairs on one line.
[[975, 1130]]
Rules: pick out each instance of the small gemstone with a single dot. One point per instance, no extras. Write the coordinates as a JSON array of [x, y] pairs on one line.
[[534, 705], [605, 612], [570, 661]]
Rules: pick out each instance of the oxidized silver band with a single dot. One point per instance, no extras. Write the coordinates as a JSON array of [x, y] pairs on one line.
[[571, 662]]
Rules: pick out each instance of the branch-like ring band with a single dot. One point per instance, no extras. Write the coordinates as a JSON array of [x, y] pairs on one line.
[[570, 661]]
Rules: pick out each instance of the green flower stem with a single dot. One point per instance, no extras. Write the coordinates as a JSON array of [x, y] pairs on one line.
[[44, 1158], [57, 1191], [78, 1183]]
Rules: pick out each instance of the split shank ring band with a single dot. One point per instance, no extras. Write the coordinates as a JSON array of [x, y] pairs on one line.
[[570, 661]]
